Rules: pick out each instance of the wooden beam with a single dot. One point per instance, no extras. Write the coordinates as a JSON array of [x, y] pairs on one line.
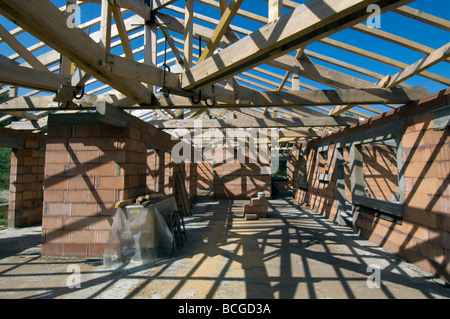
[[122, 32], [435, 57], [275, 9], [151, 48], [21, 50], [159, 4], [221, 29], [31, 78], [293, 30], [105, 25], [291, 100], [172, 45], [34, 16], [188, 33], [424, 17], [256, 123]]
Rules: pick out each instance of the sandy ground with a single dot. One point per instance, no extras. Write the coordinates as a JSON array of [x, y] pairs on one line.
[[293, 254]]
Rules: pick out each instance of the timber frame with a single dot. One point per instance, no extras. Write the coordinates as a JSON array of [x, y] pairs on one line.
[[230, 75]]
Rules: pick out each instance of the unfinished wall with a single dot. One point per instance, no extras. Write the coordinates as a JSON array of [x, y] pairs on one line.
[[241, 180], [26, 176], [418, 228], [205, 176], [88, 168]]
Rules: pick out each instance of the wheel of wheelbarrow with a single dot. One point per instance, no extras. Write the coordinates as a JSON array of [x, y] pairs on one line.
[[178, 231]]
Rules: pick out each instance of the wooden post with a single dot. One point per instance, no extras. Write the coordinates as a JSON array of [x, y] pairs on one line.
[[105, 25], [150, 47], [275, 9], [188, 34]]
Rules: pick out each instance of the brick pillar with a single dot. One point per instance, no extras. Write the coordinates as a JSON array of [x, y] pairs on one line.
[[26, 181], [88, 169], [168, 174]]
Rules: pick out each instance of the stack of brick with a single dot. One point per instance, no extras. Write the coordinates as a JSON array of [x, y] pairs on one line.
[[26, 178], [256, 209]]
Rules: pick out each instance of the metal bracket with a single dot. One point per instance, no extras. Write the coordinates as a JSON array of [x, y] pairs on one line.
[[65, 93]]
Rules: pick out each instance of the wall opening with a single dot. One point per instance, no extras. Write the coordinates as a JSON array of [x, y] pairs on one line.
[[5, 167]]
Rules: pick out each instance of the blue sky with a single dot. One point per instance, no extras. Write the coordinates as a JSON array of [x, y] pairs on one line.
[[391, 22]]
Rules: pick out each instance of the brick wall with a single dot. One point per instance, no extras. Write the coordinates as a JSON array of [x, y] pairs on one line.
[[88, 168], [241, 180], [26, 178], [205, 176], [423, 235]]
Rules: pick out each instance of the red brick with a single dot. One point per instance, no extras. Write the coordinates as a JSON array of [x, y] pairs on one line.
[[57, 236], [102, 236], [76, 223], [54, 196], [27, 195], [75, 250], [107, 182], [86, 130], [85, 157], [52, 249], [247, 209], [112, 131], [55, 183], [81, 183], [432, 252], [56, 209], [420, 216], [79, 169], [54, 169], [82, 236], [78, 196], [60, 131], [31, 144], [81, 144], [52, 223], [110, 169], [106, 196], [96, 250], [100, 223], [84, 209], [56, 144]]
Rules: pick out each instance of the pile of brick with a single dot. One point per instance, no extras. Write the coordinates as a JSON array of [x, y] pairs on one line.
[[256, 209]]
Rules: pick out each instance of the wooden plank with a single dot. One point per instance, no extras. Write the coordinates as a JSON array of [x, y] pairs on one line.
[[256, 123], [382, 59], [105, 25], [188, 33], [421, 65], [112, 115], [424, 17], [21, 50], [275, 9], [291, 100], [293, 30], [31, 78], [122, 32], [159, 4], [221, 29]]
